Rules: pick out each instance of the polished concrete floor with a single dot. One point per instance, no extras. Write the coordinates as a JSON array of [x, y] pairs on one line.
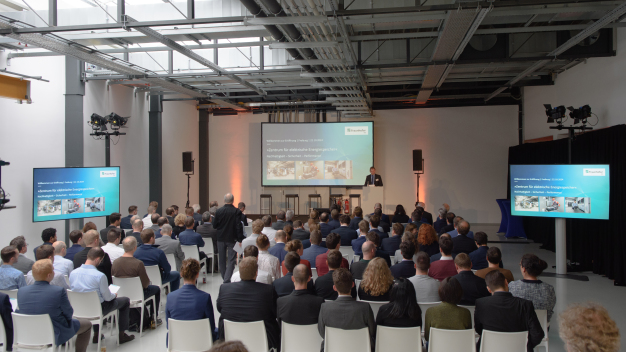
[[597, 289]]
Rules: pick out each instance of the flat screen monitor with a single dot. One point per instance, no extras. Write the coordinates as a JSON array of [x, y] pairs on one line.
[[560, 191], [75, 192], [316, 154]]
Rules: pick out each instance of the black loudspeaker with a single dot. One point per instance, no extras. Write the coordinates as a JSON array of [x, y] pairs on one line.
[[417, 160], [187, 162]]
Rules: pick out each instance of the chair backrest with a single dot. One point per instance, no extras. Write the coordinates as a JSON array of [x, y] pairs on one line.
[[129, 287], [375, 306], [451, 340], [398, 339], [172, 260], [84, 304], [471, 309], [208, 246], [542, 315], [300, 338], [251, 334], [10, 293], [493, 341], [24, 325], [357, 283], [339, 340], [154, 274], [424, 306], [248, 230], [191, 252], [314, 273], [189, 336]]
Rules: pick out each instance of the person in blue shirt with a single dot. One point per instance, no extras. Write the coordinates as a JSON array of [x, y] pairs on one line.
[[190, 303], [278, 250], [334, 218], [43, 298], [479, 256], [76, 237], [151, 255], [10, 278], [49, 236], [189, 237], [325, 227], [312, 252], [347, 234], [125, 223], [358, 216], [357, 243]]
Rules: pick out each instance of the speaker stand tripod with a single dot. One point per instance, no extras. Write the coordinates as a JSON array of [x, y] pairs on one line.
[[189, 181], [418, 173]]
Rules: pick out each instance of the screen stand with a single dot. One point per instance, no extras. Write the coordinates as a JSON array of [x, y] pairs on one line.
[[561, 247]]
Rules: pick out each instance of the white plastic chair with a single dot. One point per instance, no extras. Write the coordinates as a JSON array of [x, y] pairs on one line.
[[10, 293], [154, 274], [172, 260], [542, 314], [192, 252], [398, 339], [86, 305], [189, 335], [493, 341], [210, 252], [394, 260], [131, 287], [300, 338], [339, 340], [471, 309], [248, 230], [452, 340], [251, 334], [375, 305], [314, 273], [24, 338], [357, 283]]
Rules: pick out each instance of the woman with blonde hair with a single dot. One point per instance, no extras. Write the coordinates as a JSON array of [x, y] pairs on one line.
[[377, 281], [313, 219], [427, 240], [179, 225], [296, 247]]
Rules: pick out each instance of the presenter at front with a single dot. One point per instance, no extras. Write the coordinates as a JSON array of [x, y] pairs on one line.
[[373, 178]]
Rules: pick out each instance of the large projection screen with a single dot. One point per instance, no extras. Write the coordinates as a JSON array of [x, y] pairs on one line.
[[560, 191], [75, 192], [316, 154]]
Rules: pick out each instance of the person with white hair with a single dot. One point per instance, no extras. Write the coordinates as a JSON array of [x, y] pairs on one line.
[[289, 217], [62, 265], [197, 215], [384, 217], [229, 228], [426, 217]]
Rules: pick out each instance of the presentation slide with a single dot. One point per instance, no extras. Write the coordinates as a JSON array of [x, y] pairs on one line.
[[560, 191], [74, 193], [317, 154]]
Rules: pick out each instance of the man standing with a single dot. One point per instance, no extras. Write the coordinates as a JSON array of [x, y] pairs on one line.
[[373, 178], [115, 219], [23, 263], [280, 220], [170, 246], [151, 255], [229, 231], [474, 287], [426, 288], [61, 264], [10, 278], [125, 223], [300, 307], [345, 232], [112, 247]]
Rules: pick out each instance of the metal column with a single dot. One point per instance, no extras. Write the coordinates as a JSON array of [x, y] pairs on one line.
[[155, 153]]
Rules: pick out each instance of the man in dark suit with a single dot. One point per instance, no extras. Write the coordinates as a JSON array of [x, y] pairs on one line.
[[449, 223], [197, 216], [300, 307], [441, 220], [278, 250], [502, 312], [207, 231], [315, 249], [462, 243], [392, 244], [236, 303], [280, 220], [169, 214], [191, 238], [345, 312], [324, 284], [378, 210], [479, 256], [151, 255], [373, 178], [285, 285], [325, 228], [227, 222], [374, 222], [334, 218], [373, 237], [154, 219], [347, 234], [455, 232], [125, 221], [115, 219], [241, 206], [358, 216], [136, 231], [76, 236], [406, 268], [358, 268], [299, 233], [474, 287], [91, 240], [383, 224], [426, 217]]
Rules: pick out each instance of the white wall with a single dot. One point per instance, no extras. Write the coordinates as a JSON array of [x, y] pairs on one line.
[[600, 82]]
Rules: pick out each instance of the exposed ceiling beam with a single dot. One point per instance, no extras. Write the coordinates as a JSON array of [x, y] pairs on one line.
[[279, 21], [300, 45]]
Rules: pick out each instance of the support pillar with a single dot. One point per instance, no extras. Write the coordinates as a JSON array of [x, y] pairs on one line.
[[155, 152], [203, 158], [52, 13], [560, 246]]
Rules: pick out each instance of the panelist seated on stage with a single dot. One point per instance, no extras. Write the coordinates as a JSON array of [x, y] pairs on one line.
[[373, 178]]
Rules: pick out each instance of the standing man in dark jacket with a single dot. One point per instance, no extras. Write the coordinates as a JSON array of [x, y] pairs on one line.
[[229, 231]]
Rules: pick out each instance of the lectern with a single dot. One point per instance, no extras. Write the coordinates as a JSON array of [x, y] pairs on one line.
[[371, 196]]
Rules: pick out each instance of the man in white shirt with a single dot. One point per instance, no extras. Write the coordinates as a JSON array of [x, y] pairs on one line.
[[147, 221], [262, 276], [426, 288], [268, 230], [112, 247], [62, 265], [257, 227]]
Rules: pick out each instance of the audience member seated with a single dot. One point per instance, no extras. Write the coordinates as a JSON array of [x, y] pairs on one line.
[[494, 258], [23, 263], [449, 226], [457, 220], [324, 284], [151, 255], [377, 282], [392, 244], [285, 285], [266, 261], [334, 218], [474, 287], [400, 215], [299, 233], [190, 303], [383, 226], [170, 213], [87, 278], [588, 327], [383, 217], [289, 217], [426, 288], [280, 220], [289, 231], [208, 232], [128, 266], [325, 228], [347, 234], [502, 312], [313, 219], [191, 238], [114, 238], [416, 217], [427, 240], [262, 276], [296, 247], [375, 238], [441, 220], [91, 240], [132, 221], [46, 251], [405, 268], [426, 217], [49, 236], [197, 215], [374, 223], [436, 257], [76, 237], [443, 267], [125, 223], [540, 293], [160, 222], [115, 219], [189, 212], [90, 226], [364, 228], [257, 227], [300, 307], [179, 225], [462, 243], [357, 216], [278, 250], [170, 246], [479, 256], [267, 229], [137, 228], [344, 312], [310, 254], [228, 346], [448, 315], [61, 265], [10, 278], [402, 311], [248, 301], [43, 298], [147, 219], [333, 241], [358, 267], [406, 237]]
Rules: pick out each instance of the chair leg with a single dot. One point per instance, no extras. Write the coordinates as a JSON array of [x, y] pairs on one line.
[[100, 325], [141, 321]]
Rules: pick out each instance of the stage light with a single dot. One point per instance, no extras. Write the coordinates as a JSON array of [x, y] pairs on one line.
[[116, 120], [580, 114], [98, 123], [554, 114]]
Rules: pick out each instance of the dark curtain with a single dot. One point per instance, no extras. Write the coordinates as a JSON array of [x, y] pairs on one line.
[[596, 245]]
